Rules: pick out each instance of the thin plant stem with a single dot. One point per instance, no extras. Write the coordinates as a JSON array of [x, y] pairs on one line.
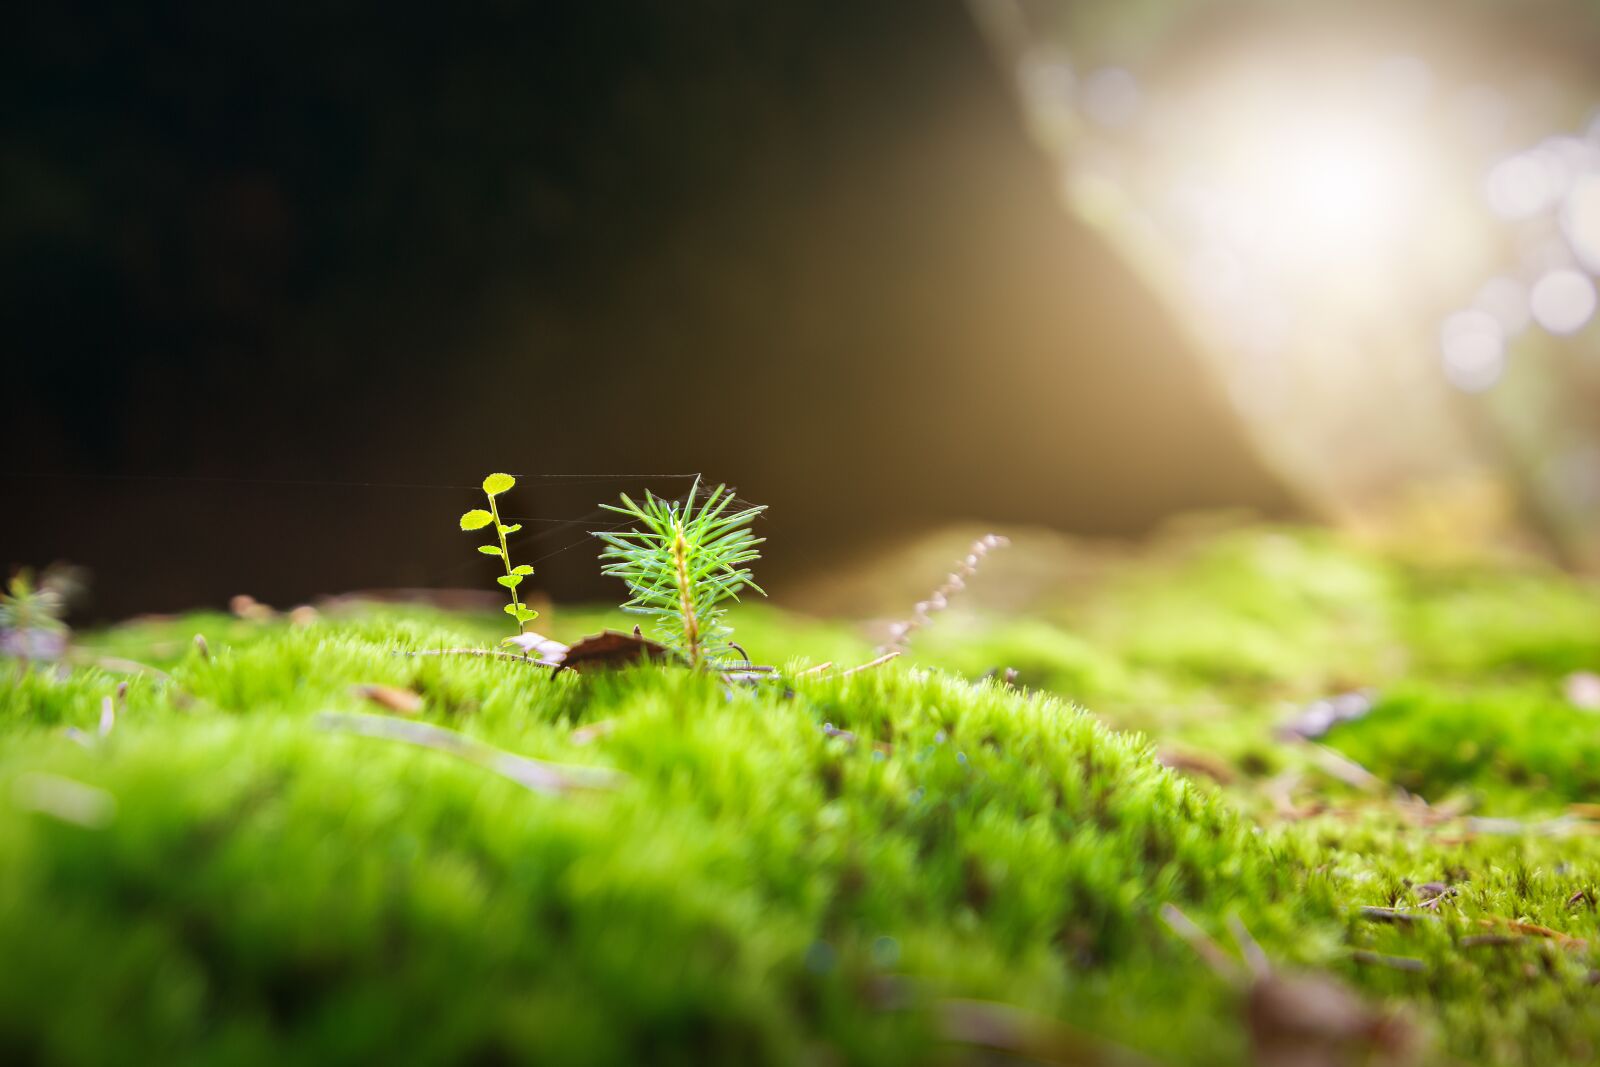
[[505, 560], [691, 625]]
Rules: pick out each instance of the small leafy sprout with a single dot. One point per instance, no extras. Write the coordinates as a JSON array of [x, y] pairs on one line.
[[477, 519], [683, 563], [31, 613]]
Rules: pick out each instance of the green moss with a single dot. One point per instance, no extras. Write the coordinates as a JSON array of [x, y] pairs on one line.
[[266, 890], [222, 879], [1512, 747], [1522, 620]]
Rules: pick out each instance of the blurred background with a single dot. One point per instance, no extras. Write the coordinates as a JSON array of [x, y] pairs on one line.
[[280, 283]]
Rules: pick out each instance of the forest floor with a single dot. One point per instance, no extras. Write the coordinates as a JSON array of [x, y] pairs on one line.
[[1258, 795]]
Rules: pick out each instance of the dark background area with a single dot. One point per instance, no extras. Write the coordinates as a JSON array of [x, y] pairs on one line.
[[249, 252]]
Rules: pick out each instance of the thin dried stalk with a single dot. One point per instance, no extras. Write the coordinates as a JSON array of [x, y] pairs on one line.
[[900, 632], [491, 652], [871, 663]]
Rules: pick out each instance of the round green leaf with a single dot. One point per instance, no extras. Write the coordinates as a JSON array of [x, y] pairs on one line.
[[524, 614], [522, 568], [489, 550], [476, 519], [511, 609], [513, 528], [510, 581], [496, 484]]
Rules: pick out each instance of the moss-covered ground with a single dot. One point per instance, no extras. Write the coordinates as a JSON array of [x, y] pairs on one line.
[[910, 864]]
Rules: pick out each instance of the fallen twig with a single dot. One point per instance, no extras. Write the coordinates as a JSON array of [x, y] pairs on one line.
[[1491, 940], [1255, 957], [1197, 939], [1395, 915], [491, 652], [536, 775], [1395, 963], [869, 665], [1343, 768]]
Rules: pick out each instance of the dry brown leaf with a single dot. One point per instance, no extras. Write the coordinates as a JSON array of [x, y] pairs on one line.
[[1193, 763], [1008, 1029], [391, 698], [1534, 930], [601, 651], [1304, 1020], [1315, 1021], [612, 648]]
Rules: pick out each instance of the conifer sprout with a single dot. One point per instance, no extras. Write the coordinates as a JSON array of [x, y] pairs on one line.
[[477, 519], [31, 613], [683, 563]]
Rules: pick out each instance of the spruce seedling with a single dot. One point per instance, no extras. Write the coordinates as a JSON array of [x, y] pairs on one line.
[[683, 563], [30, 615], [477, 519]]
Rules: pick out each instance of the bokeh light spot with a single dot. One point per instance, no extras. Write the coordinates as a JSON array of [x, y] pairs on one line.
[[1562, 301], [1111, 96], [1473, 350], [1580, 220]]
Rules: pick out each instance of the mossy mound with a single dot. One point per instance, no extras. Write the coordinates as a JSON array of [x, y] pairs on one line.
[[220, 879], [1506, 747], [824, 868]]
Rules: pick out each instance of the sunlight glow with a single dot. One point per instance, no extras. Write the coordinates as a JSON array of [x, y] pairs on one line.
[[1345, 222], [1325, 192], [1339, 190]]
